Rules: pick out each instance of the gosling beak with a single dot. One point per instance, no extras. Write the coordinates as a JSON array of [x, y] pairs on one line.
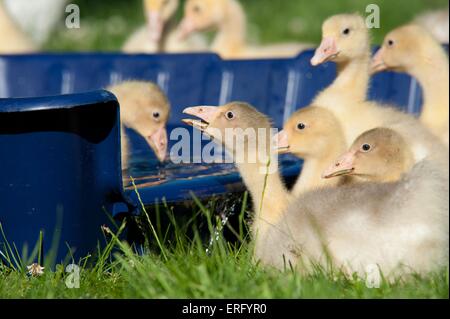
[[185, 28], [325, 52], [378, 64], [343, 166], [155, 25], [281, 142], [159, 142], [205, 113]]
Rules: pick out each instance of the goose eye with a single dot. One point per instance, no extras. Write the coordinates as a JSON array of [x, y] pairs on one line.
[[390, 43], [229, 115], [301, 126], [156, 115], [346, 31], [366, 147], [197, 9]]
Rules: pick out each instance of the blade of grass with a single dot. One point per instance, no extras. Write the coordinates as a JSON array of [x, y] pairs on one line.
[[148, 219]]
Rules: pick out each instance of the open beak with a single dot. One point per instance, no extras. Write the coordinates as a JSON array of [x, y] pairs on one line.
[[205, 113], [378, 64], [159, 142], [198, 124], [281, 142], [343, 166], [325, 52], [186, 27], [155, 25]]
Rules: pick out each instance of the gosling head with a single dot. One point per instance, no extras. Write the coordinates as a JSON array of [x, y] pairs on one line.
[[145, 109], [238, 126], [311, 132], [380, 154], [344, 37], [403, 49], [158, 12], [201, 15]]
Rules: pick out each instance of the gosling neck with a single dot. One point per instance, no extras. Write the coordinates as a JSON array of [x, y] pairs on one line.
[[126, 119], [404, 163], [314, 166], [232, 30], [353, 77], [169, 27], [124, 143], [433, 75], [270, 196]]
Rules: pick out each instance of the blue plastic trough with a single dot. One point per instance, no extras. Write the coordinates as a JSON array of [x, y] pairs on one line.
[[60, 155]]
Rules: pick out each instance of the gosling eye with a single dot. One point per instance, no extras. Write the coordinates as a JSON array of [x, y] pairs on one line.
[[346, 31], [366, 148], [390, 43], [301, 126], [156, 115], [197, 9], [229, 115]]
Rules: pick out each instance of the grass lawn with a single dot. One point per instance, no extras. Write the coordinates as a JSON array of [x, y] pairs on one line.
[[106, 24], [178, 266], [222, 275]]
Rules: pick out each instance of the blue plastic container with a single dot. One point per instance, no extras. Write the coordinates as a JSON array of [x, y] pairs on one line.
[[60, 161], [60, 155]]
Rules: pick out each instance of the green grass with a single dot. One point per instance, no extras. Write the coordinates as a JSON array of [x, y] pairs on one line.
[[193, 275], [179, 266], [104, 27]]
